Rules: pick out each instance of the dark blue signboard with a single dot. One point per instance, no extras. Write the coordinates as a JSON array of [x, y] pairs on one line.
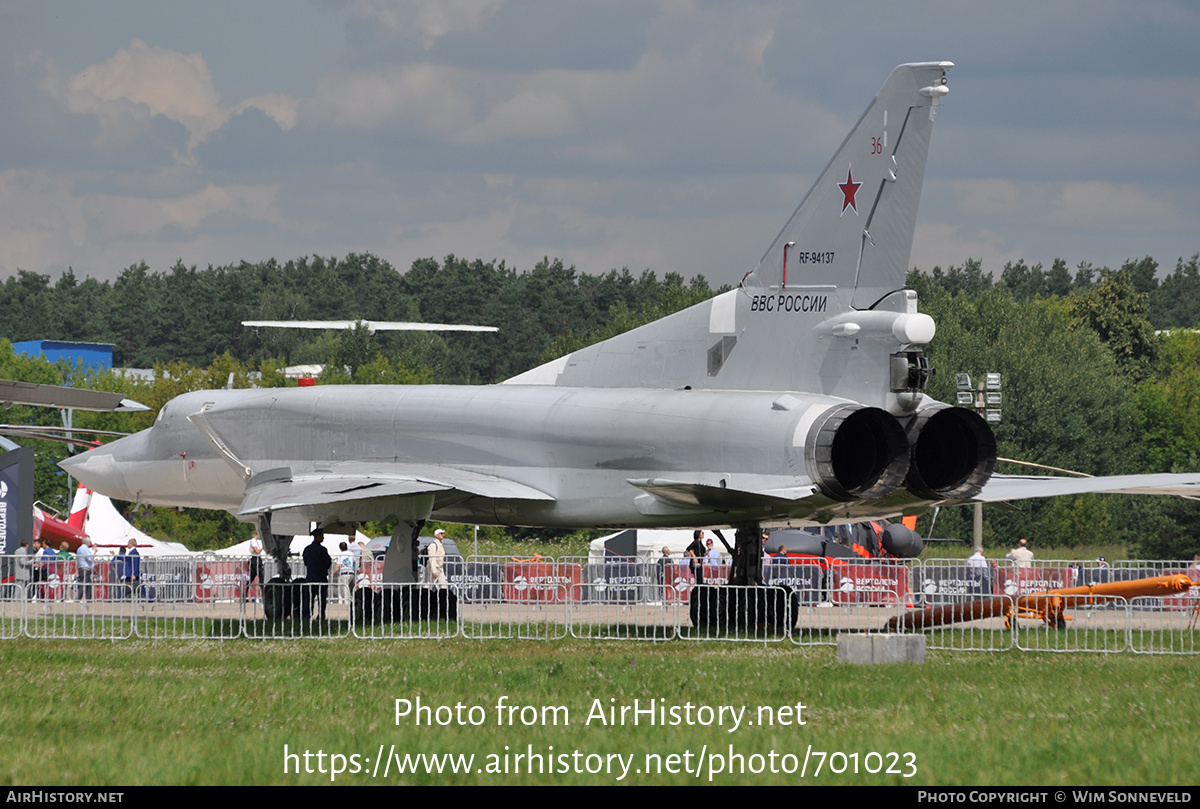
[[476, 581], [620, 582], [16, 499], [956, 584], [806, 580]]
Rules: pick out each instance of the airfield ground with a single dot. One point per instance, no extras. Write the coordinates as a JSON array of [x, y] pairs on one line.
[[213, 712]]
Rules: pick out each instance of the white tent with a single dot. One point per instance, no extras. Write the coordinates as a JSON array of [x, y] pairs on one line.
[[298, 544], [109, 531], [651, 541]]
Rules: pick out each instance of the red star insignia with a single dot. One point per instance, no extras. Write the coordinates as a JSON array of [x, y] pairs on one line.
[[849, 189]]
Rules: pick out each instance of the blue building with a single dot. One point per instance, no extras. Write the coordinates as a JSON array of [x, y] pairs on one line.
[[94, 356]]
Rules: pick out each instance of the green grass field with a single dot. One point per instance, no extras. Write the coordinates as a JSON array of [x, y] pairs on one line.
[[212, 712]]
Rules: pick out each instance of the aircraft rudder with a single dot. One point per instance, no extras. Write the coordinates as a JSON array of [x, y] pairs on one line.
[[846, 247], [853, 229]]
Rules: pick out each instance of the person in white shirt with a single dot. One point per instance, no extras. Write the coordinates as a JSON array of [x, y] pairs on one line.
[[437, 559], [977, 565], [256, 565], [1021, 556]]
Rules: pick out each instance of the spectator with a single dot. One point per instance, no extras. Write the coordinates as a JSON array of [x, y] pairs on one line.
[[24, 570], [713, 557], [316, 572], [84, 559], [977, 566], [437, 559], [1021, 556], [695, 556], [131, 569]]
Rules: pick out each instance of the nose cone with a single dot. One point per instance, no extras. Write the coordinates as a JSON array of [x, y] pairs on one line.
[[106, 469]]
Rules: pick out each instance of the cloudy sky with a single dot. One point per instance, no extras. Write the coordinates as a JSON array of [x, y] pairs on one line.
[[673, 135]]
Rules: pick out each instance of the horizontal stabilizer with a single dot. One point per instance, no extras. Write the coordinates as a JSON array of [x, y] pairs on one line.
[[28, 393], [1023, 487], [702, 497]]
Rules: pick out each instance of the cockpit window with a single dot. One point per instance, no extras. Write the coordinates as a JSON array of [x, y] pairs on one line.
[[162, 412]]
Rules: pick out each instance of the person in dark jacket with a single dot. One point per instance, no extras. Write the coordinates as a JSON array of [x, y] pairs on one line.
[[316, 571]]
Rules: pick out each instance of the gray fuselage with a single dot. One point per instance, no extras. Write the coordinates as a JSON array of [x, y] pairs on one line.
[[581, 447]]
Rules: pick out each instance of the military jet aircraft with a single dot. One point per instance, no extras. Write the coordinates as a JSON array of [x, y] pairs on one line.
[[797, 398]]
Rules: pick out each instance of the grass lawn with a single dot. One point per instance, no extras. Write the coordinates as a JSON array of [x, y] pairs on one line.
[[211, 712]]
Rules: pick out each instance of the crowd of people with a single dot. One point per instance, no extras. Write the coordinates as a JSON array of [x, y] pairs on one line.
[[42, 572]]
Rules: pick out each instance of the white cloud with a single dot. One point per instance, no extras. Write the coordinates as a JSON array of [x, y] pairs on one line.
[[429, 20], [531, 114], [686, 151], [424, 96], [1097, 204], [165, 82], [944, 244], [987, 197], [282, 109], [44, 220], [39, 221]]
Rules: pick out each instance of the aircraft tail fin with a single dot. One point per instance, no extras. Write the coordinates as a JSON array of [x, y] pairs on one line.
[[854, 228], [797, 321], [79, 507]]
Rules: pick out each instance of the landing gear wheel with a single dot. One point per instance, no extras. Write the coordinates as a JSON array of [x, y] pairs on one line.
[[275, 599]]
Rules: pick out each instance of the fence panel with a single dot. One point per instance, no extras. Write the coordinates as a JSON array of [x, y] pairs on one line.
[[1087, 625], [598, 611], [937, 582], [17, 588], [543, 616], [1017, 580], [870, 583], [88, 618], [738, 613], [173, 579], [478, 579], [188, 620], [960, 624], [819, 621], [294, 610], [405, 611], [1167, 625], [13, 603]]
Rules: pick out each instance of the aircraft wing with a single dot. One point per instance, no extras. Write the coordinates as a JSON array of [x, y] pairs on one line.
[[371, 325], [285, 488], [29, 393], [1024, 487]]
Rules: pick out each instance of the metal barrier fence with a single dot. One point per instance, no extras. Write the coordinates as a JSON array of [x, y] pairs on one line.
[[97, 615], [408, 611], [600, 611], [1163, 625], [820, 618], [983, 634], [298, 610], [738, 614], [541, 614], [808, 604], [1089, 626]]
